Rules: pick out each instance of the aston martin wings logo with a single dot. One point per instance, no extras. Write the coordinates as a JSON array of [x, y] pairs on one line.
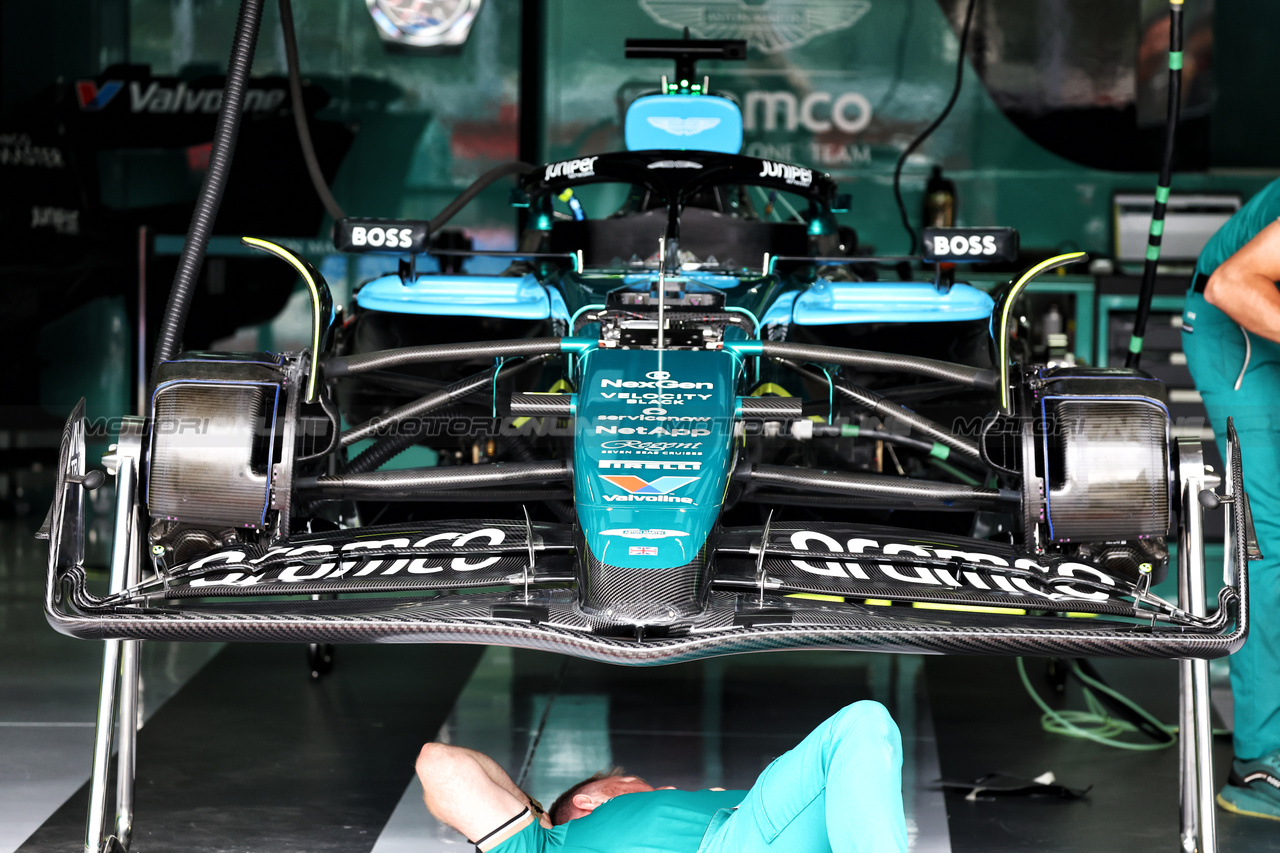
[[772, 26], [677, 126]]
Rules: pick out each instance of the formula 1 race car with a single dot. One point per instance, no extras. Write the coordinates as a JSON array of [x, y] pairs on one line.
[[695, 424], [649, 439]]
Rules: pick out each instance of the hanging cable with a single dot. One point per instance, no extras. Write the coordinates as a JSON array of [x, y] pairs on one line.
[[223, 148], [1162, 187], [928, 131], [300, 114]]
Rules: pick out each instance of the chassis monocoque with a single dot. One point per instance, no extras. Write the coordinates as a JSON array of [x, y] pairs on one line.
[[653, 443]]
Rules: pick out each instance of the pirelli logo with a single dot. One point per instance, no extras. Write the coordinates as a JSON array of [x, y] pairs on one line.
[[649, 465]]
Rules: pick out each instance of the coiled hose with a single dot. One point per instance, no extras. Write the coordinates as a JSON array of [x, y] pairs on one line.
[[174, 322]]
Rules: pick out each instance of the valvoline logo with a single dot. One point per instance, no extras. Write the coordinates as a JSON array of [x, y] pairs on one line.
[[93, 97], [641, 490]]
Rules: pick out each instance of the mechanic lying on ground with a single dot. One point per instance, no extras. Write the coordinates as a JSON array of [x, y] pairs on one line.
[[840, 789]]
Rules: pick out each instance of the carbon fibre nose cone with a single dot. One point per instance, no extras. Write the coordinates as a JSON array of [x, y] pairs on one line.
[[653, 450]]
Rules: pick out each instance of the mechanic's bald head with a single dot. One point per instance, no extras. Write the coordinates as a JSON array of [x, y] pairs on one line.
[[589, 794]]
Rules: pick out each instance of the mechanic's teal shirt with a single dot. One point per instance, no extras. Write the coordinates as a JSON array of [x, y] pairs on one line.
[[645, 822], [1243, 226]]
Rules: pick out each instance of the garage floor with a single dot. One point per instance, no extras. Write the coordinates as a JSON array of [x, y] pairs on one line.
[[242, 752]]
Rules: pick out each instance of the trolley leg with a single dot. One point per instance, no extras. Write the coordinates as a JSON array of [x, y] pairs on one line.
[[125, 569], [1187, 775], [129, 717], [102, 748], [1199, 825]]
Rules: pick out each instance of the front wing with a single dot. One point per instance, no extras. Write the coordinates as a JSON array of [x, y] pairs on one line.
[[792, 586]]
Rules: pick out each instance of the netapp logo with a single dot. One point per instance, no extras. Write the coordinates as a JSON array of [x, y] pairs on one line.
[[613, 430], [960, 245], [651, 464], [387, 238], [796, 176], [579, 168]]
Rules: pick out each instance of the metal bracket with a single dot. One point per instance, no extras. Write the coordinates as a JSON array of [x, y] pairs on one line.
[[764, 546]]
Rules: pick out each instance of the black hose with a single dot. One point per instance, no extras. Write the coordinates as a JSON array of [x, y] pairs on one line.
[[300, 114], [873, 402], [515, 167], [487, 495], [519, 447], [928, 131], [882, 362], [174, 322], [388, 447], [878, 434], [1148, 289], [411, 481], [772, 498], [349, 365]]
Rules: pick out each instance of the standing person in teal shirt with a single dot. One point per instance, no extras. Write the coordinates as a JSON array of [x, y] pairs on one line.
[[1231, 335], [839, 790]]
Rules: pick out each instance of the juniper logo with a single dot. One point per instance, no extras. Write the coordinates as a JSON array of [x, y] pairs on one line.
[[772, 26], [796, 176]]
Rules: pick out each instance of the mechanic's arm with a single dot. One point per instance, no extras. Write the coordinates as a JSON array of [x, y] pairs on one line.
[[1244, 286], [460, 789]]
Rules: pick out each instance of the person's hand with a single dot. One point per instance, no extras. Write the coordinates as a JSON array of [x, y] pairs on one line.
[[715, 789], [666, 788]]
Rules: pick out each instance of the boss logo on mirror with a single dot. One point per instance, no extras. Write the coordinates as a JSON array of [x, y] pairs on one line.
[[380, 235], [962, 245]]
